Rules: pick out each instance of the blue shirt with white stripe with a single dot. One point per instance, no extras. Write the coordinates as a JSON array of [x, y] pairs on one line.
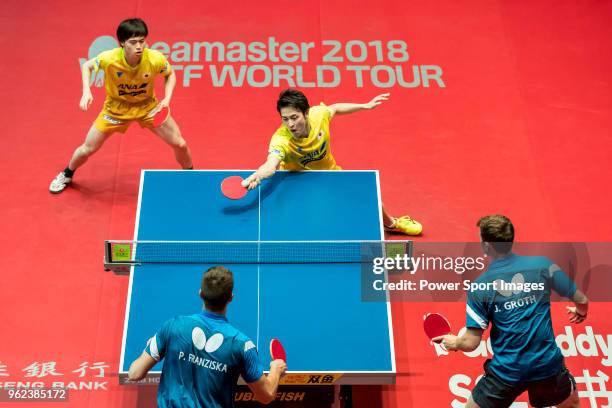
[[203, 357], [522, 337]]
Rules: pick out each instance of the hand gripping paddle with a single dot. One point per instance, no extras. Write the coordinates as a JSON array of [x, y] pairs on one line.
[[159, 116], [436, 325]]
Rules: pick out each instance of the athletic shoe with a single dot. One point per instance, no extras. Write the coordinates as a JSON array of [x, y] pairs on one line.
[[405, 225], [59, 183]]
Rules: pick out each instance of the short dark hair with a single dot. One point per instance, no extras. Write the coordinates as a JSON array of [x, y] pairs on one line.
[[294, 99], [217, 287], [497, 230], [132, 27]]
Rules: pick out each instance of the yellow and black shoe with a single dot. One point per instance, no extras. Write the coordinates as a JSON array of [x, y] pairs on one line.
[[404, 225]]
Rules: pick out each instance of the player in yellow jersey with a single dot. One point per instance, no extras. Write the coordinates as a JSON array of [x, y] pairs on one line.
[[302, 142], [129, 75]]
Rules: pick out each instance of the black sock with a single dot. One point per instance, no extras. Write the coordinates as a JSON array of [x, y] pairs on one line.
[[68, 173]]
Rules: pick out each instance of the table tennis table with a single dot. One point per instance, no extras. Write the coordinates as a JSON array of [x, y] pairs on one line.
[[331, 336]]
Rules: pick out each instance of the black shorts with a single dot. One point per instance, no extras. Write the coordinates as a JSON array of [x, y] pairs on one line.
[[493, 392]]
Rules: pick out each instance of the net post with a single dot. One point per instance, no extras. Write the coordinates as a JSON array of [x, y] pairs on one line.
[[119, 268]]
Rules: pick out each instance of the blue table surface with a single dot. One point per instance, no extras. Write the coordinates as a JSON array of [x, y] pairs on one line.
[[315, 309]]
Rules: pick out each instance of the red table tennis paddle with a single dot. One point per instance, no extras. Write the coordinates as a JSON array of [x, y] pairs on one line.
[[231, 187], [277, 351], [159, 116], [436, 325]]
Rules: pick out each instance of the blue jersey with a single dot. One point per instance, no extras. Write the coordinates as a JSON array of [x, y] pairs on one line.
[[203, 357], [514, 296]]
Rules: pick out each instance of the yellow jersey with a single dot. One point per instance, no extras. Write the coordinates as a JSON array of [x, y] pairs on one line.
[[308, 153], [126, 85]]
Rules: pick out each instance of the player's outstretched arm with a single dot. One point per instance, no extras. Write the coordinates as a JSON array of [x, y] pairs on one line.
[[578, 313], [344, 108], [87, 97], [265, 388], [141, 366], [263, 172]]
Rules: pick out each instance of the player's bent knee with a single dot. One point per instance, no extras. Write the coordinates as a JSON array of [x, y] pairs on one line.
[[180, 144], [89, 149], [85, 151]]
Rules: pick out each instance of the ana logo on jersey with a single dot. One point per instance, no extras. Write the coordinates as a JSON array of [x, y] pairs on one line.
[[517, 281], [201, 343], [315, 155]]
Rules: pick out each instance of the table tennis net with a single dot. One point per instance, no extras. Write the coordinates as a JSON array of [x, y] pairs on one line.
[[127, 253]]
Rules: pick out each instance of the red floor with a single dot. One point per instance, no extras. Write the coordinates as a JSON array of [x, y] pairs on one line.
[[522, 127]]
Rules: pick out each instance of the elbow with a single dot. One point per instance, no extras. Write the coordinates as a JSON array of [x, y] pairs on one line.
[[266, 398], [580, 297], [266, 395], [471, 347], [133, 376], [469, 344], [472, 344]]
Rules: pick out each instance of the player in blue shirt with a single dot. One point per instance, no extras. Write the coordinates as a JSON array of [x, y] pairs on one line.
[[204, 354], [515, 300]]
